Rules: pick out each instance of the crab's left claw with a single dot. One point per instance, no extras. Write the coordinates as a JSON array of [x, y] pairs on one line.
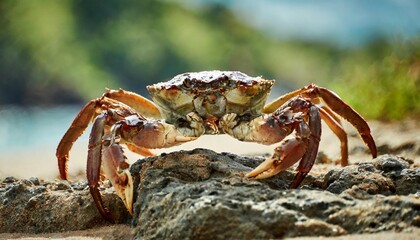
[[103, 150], [117, 170], [288, 153], [128, 191]]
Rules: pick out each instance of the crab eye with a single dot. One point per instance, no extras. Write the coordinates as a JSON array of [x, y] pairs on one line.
[[187, 83]]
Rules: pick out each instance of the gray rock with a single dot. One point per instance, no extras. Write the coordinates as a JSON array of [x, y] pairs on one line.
[[389, 163], [51, 207], [408, 182], [34, 180], [200, 194], [385, 175]]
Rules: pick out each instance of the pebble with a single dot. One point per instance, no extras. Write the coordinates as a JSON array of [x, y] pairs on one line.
[[62, 185], [9, 180], [34, 180]]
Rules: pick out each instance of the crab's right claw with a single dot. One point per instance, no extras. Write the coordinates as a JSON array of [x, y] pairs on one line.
[[288, 153]]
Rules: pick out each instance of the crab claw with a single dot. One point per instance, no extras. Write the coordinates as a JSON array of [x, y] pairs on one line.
[[117, 170], [287, 154], [125, 192]]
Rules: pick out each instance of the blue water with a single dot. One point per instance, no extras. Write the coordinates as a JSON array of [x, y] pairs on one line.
[[35, 127]]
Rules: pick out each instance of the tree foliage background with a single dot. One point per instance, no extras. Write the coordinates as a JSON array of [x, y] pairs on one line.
[[64, 52]]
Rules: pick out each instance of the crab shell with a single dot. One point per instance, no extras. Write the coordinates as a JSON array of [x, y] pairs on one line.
[[210, 94]]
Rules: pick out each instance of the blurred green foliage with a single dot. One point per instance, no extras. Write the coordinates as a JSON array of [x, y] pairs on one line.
[[55, 52], [381, 80]]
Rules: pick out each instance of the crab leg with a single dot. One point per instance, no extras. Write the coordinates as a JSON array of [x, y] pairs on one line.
[[92, 109], [335, 104], [277, 103], [139, 150], [103, 150], [332, 114], [308, 159], [94, 164], [339, 132], [76, 129], [142, 105], [344, 110]]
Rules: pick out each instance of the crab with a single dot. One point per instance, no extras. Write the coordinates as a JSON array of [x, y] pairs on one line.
[[209, 102]]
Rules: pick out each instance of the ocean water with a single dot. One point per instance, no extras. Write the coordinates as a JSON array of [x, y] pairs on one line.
[[35, 127], [29, 136]]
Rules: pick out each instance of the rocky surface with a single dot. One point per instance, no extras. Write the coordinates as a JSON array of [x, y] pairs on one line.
[[36, 206], [201, 194]]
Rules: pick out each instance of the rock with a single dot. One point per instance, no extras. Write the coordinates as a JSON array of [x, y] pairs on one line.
[[200, 194], [62, 185], [50, 207], [389, 163], [34, 180], [408, 182], [9, 180], [355, 177], [386, 175], [378, 214]]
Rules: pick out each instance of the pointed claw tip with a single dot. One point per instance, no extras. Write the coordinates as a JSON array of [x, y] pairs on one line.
[[262, 172], [129, 193], [250, 175], [184, 139], [255, 173]]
